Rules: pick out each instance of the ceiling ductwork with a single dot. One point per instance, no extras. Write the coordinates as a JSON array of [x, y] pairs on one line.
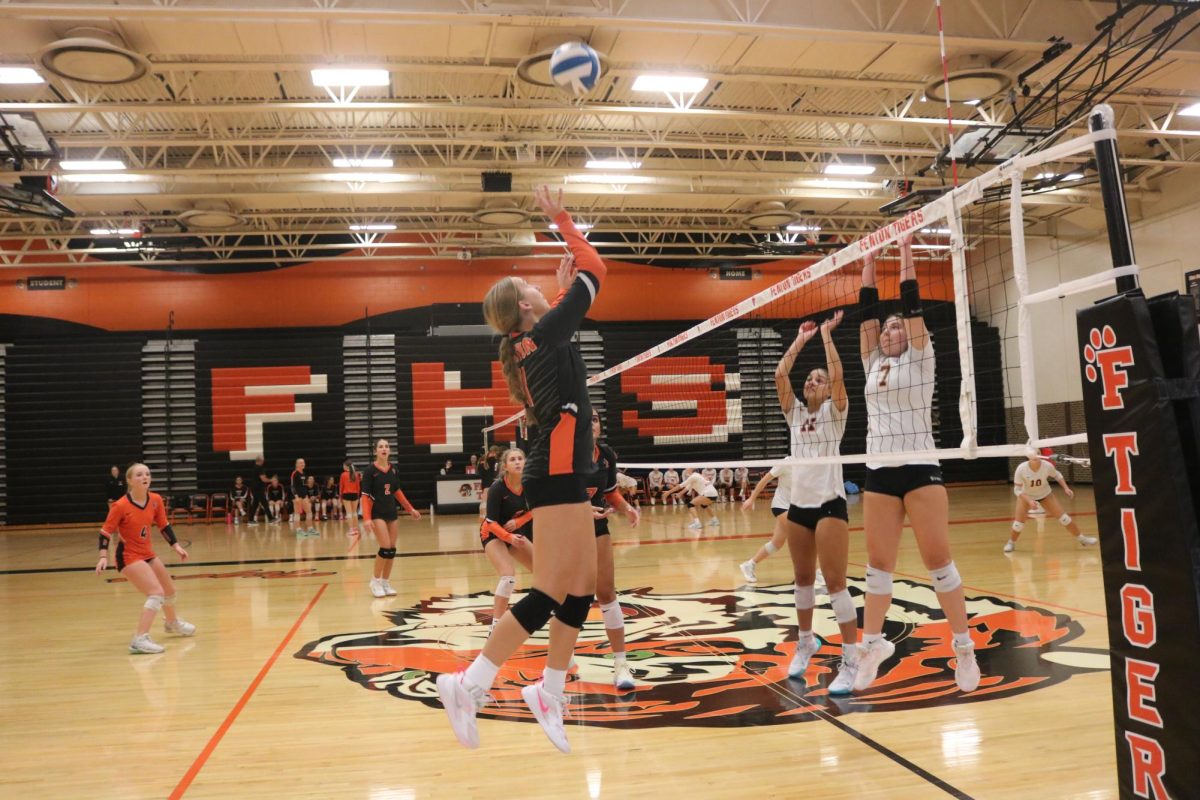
[[501, 213], [93, 55], [211, 215], [770, 214], [971, 78]]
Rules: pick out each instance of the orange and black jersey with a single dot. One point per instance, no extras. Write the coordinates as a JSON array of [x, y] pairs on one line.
[[602, 484], [132, 523], [348, 486], [553, 372], [380, 493], [298, 488], [240, 493], [503, 505]]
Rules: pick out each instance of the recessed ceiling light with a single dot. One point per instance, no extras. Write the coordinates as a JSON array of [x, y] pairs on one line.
[[334, 77], [374, 226], [20, 75], [688, 84], [849, 169], [98, 165], [612, 163], [345, 163]]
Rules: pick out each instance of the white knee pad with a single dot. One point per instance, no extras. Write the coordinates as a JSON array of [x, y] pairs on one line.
[[843, 606], [878, 581], [154, 602], [504, 588], [1018, 526], [946, 579], [806, 597], [1065, 520], [612, 616], [770, 548]]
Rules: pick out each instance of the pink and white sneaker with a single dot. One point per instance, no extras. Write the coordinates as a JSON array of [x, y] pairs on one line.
[[462, 701], [549, 711]]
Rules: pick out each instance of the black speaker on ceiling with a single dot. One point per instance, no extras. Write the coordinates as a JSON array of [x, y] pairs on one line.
[[496, 181]]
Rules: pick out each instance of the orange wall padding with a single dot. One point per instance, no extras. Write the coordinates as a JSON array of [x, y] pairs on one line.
[[329, 293]]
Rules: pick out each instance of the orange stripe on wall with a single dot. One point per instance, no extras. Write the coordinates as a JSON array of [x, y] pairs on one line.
[[329, 293]]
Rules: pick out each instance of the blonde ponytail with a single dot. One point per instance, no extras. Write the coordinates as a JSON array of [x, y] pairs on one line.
[[502, 311]]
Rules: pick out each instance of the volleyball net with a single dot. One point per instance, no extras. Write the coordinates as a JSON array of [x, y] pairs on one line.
[[992, 381]]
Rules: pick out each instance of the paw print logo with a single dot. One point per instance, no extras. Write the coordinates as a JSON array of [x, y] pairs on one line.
[[1105, 363], [1097, 339]]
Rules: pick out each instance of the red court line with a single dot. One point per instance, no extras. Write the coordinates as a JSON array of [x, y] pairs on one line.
[[198, 764]]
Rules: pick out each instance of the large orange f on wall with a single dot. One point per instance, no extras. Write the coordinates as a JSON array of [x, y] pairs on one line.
[[246, 398]]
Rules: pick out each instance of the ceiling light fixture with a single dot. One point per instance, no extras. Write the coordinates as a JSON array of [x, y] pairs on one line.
[[612, 163], [333, 77], [580, 226], [114, 231], [98, 165], [19, 75], [803, 228], [849, 169], [686, 84], [1191, 111], [347, 163], [374, 226], [103, 177], [828, 184]]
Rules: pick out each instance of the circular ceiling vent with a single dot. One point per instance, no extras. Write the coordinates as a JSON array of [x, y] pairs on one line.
[[970, 79], [770, 214], [501, 213], [211, 215], [93, 55], [535, 69]]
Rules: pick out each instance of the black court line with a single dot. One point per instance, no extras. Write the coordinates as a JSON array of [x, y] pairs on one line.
[[920, 772]]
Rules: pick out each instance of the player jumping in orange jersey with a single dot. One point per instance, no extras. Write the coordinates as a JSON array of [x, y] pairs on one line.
[[130, 519]]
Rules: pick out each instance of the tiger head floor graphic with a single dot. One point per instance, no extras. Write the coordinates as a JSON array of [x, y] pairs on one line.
[[718, 658]]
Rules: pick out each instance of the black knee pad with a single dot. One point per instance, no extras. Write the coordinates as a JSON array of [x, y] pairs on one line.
[[533, 610], [386, 552], [574, 610]]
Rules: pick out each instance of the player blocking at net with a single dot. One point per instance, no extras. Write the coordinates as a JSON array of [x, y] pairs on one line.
[[899, 363], [1032, 485], [546, 374]]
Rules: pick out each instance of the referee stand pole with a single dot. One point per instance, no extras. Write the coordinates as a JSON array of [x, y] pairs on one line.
[[1140, 368]]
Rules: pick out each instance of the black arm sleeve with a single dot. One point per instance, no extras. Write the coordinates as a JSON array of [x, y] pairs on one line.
[[868, 304], [495, 502], [169, 534], [910, 298], [103, 542], [561, 322], [610, 479]]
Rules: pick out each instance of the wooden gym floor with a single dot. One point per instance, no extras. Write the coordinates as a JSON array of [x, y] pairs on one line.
[[299, 684]]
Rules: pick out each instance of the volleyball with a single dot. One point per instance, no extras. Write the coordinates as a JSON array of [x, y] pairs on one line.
[[575, 66]]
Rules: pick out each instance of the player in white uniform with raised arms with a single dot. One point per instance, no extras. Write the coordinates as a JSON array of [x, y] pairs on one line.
[[705, 492], [1032, 485], [899, 362], [818, 521]]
